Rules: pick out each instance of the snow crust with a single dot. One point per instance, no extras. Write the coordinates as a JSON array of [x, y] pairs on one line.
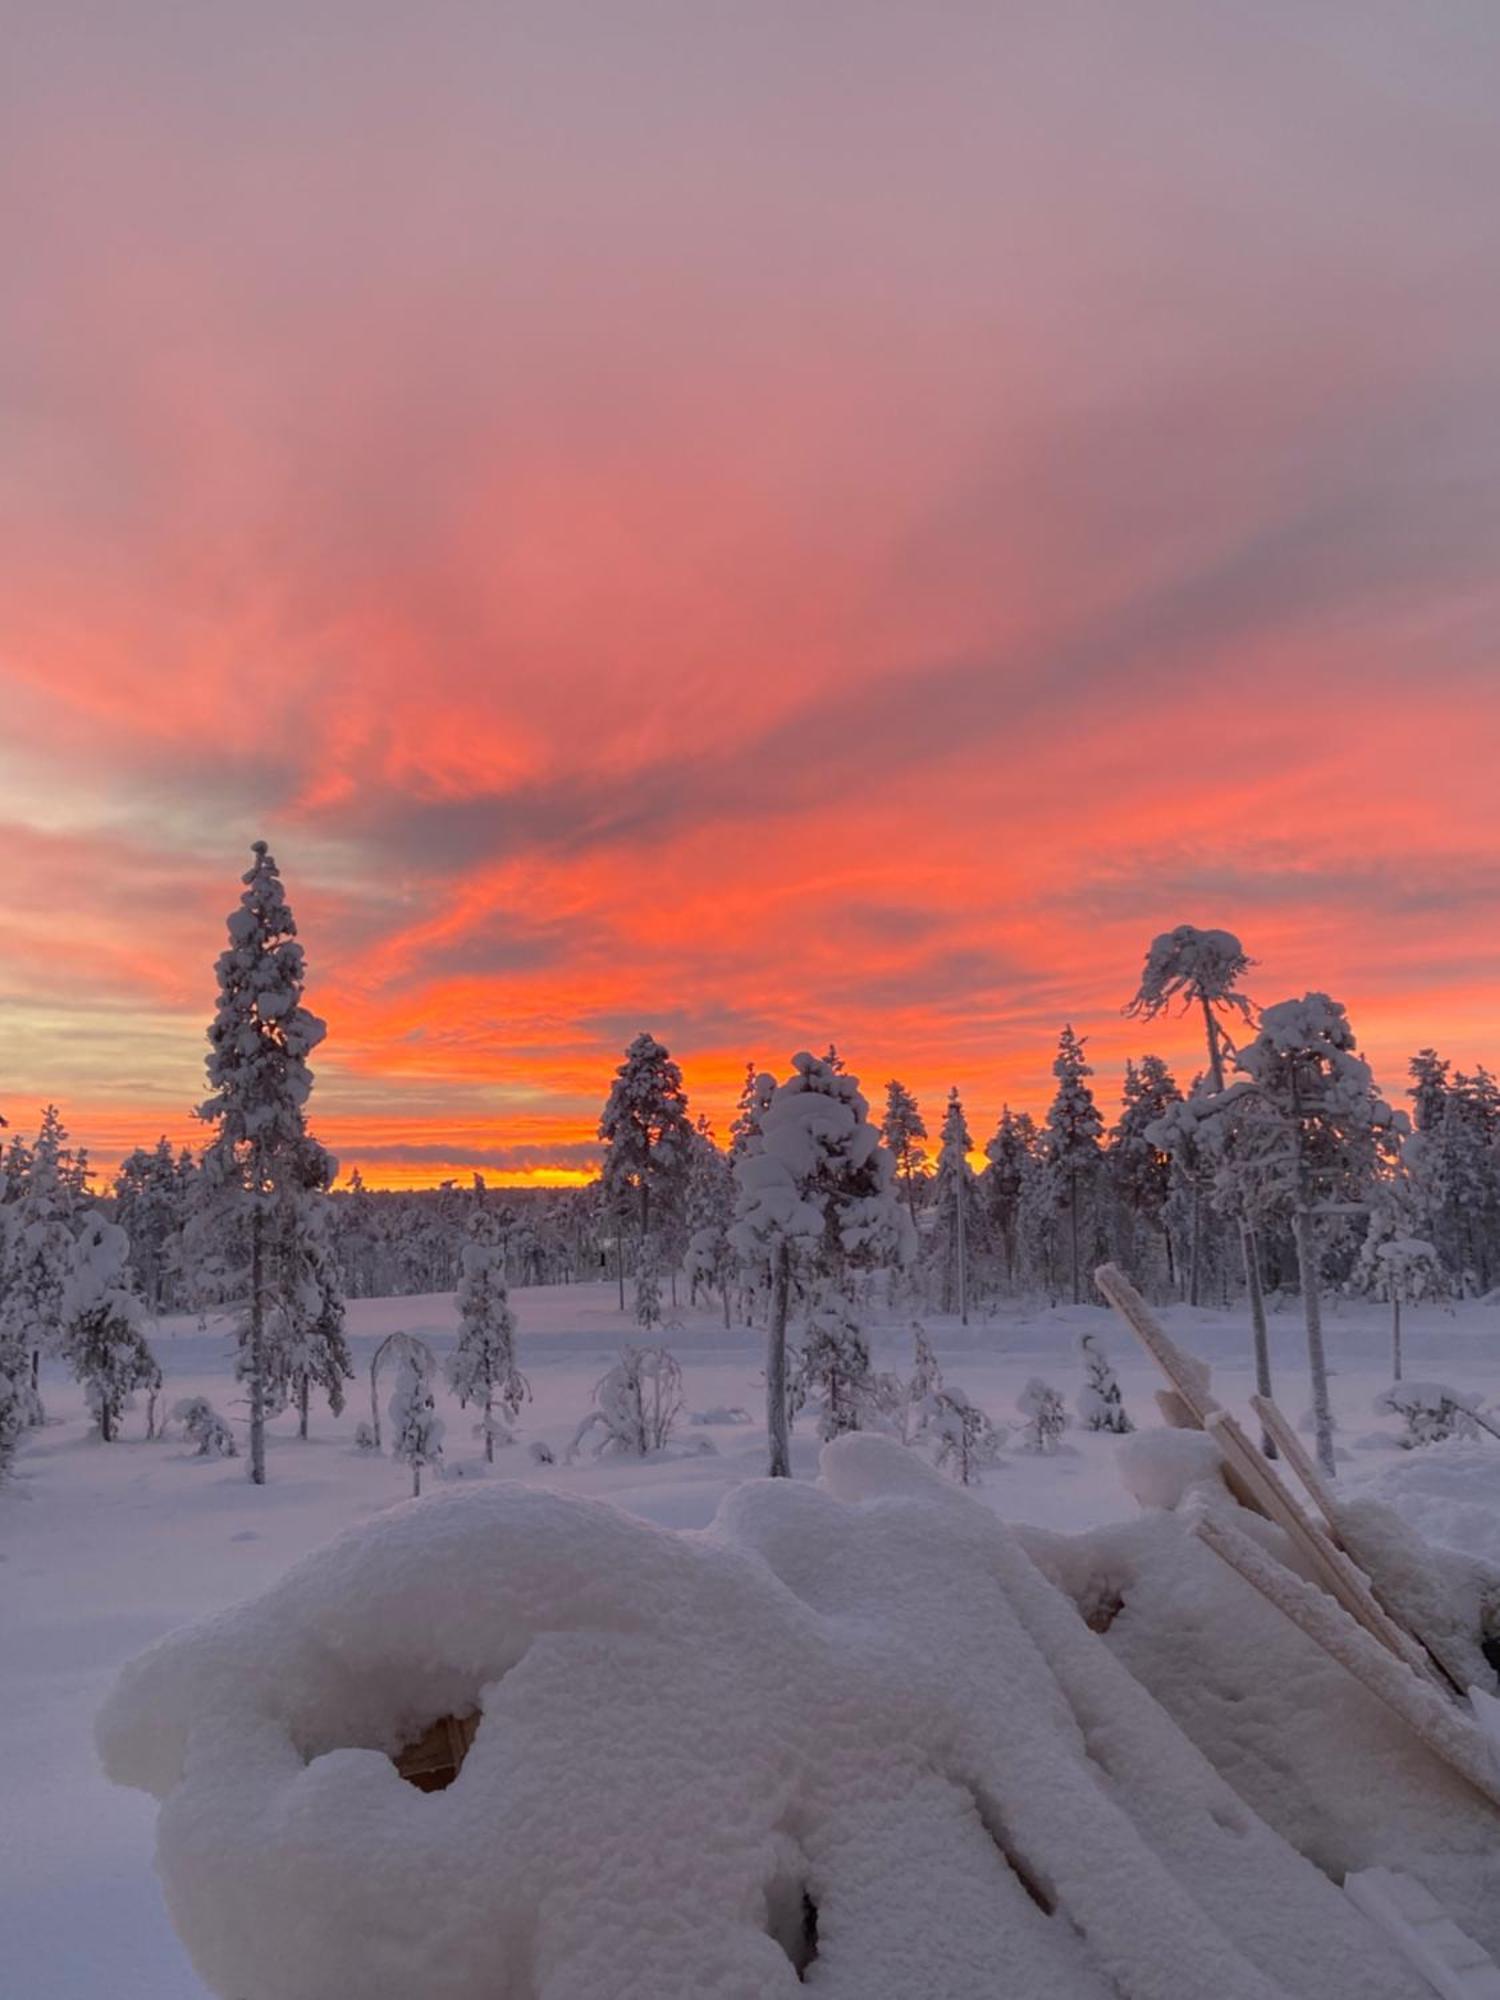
[[862, 1698]]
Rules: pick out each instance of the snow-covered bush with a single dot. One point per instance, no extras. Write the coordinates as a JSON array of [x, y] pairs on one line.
[[1431, 1410], [1101, 1407], [364, 1436], [637, 1403], [416, 1427], [1046, 1416], [204, 1427]]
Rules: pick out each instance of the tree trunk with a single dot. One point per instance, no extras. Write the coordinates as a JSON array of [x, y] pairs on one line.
[[1317, 1365], [1250, 1249], [1073, 1235], [304, 1394], [961, 1235], [778, 1434], [257, 1371], [416, 1479], [1395, 1336], [620, 1262], [724, 1293], [1195, 1259], [106, 1428]]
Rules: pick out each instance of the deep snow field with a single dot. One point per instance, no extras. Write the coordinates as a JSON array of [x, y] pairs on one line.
[[106, 1547]]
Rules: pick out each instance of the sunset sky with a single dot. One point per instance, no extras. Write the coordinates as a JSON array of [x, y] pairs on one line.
[[764, 522]]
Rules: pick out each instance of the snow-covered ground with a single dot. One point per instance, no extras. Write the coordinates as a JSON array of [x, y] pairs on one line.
[[105, 1548]]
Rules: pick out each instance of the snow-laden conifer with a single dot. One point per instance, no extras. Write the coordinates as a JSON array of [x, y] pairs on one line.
[[103, 1324], [38, 1261], [1013, 1166], [416, 1427], [958, 1212], [648, 1141], [257, 1165], [482, 1364], [832, 1367], [1101, 1407], [1046, 1416], [903, 1130], [1071, 1148], [816, 1194]]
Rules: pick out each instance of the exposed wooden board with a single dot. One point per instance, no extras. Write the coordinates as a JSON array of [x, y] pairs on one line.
[[1297, 1456], [1436, 1722]]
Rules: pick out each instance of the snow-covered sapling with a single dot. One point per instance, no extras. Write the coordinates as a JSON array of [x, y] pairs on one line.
[[1046, 1416], [482, 1366], [416, 1427], [636, 1404], [1101, 1407], [963, 1437], [204, 1427], [103, 1331], [832, 1369], [1432, 1412]]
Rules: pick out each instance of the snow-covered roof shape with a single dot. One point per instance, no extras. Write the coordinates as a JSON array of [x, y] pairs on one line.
[[852, 1719]]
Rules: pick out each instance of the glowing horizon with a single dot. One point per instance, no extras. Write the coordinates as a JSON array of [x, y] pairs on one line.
[[777, 526]]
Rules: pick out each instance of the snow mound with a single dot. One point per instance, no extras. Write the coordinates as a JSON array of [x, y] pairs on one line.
[[850, 1732]]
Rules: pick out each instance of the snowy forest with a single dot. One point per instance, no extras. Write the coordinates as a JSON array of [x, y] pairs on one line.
[[1278, 1170]]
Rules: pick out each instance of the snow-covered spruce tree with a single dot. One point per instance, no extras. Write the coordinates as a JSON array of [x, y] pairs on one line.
[[257, 1162], [648, 1139], [1306, 1121], [903, 1130], [307, 1346], [815, 1195], [1101, 1407], [482, 1365], [1071, 1148], [1139, 1169], [103, 1332], [1013, 1166], [149, 1208], [637, 1402], [1046, 1416], [710, 1217], [416, 1427], [1455, 1164], [832, 1366], [960, 1233], [38, 1262]]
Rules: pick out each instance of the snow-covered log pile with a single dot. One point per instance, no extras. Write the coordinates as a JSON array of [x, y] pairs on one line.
[[852, 1728]]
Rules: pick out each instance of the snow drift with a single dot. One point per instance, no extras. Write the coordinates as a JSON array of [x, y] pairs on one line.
[[849, 1734]]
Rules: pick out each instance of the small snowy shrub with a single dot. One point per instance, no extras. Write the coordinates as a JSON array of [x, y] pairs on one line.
[[1101, 1407], [541, 1454], [721, 1414], [203, 1426], [1432, 1411], [364, 1436], [637, 1403], [416, 1427], [1046, 1416], [963, 1437]]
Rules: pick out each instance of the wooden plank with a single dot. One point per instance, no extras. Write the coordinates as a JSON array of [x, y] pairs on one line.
[[1330, 1566], [1189, 1376], [1435, 1722], [1297, 1456]]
